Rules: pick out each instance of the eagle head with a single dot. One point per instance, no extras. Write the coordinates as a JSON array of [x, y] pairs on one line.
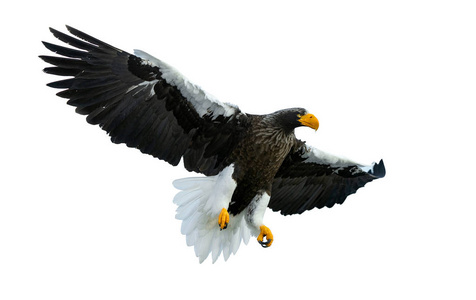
[[291, 118]]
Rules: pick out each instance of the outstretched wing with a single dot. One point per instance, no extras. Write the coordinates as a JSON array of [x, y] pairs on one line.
[[310, 178], [142, 102]]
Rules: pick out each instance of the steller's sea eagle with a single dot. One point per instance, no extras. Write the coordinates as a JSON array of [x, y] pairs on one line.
[[250, 162]]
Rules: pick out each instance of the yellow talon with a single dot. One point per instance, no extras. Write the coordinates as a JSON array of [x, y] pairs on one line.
[[265, 232], [223, 219]]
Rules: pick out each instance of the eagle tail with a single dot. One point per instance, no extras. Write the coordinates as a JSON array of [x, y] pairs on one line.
[[199, 204]]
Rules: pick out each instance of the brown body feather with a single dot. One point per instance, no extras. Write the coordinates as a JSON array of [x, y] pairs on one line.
[[258, 157]]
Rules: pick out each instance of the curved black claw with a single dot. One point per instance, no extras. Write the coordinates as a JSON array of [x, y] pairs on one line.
[[265, 244]]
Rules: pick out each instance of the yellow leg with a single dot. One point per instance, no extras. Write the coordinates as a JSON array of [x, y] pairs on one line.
[[223, 219], [265, 232]]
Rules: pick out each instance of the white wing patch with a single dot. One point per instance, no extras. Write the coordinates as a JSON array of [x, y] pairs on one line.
[[146, 85], [204, 103], [315, 155], [199, 204]]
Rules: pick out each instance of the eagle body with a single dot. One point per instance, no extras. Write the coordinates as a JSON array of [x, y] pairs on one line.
[[248, 162], [258, 156]]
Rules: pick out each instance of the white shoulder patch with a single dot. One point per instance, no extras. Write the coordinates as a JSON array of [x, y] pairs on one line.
[[315, 155], [204, 103]]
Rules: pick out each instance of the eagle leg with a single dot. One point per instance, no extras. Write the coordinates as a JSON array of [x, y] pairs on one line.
[[223, 219], [265, 233]]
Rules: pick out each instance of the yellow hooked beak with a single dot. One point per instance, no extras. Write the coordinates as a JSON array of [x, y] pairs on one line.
[[309, 120]]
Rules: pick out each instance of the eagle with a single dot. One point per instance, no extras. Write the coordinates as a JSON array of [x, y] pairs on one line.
[[248, 162]]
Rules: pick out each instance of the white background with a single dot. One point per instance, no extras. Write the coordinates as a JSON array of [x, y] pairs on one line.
[[82, 218]]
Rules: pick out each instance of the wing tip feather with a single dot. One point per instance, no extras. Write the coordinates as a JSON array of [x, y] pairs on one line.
[[378, 169]]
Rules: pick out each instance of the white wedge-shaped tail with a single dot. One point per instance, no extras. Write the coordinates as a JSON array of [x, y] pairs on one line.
[[199, 204]]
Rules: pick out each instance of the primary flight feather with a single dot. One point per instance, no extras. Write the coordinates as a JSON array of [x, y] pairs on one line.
[[250, 162]]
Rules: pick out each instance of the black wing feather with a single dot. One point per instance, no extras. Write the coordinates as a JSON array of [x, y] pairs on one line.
[[130, 99], [304, 181]]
